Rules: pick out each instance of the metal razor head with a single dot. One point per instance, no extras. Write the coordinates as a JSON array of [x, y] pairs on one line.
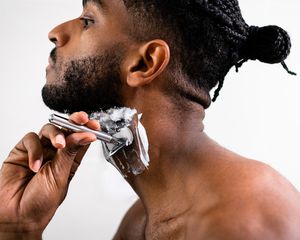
[[118, 146]]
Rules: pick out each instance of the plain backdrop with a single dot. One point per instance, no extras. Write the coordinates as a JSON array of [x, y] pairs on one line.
[[257, 114]]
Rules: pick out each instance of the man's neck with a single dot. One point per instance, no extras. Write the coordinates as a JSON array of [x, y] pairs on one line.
[[177, 146]]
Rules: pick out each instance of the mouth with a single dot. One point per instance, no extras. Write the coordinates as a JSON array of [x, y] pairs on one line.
[[50, 64]]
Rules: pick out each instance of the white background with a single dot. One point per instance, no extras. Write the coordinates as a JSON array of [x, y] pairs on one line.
[[257, 114]]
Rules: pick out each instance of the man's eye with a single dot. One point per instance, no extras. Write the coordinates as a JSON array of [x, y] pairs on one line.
[[86, 22]]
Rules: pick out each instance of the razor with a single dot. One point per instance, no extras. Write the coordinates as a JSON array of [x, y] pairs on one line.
[[118, 143]]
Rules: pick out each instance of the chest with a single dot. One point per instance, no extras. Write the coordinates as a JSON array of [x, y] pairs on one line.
[[139, 230]]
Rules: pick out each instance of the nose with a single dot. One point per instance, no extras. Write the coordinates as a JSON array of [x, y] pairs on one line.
[[60, 35]]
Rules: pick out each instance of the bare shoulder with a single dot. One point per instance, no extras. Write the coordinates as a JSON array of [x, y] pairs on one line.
[[268, 187], [256, 203], [133, 223]]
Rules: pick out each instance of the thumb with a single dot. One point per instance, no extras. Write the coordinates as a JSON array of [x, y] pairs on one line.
[[68, 159]]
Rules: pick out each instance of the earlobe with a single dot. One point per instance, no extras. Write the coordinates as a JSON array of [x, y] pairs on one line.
[[149, 62]]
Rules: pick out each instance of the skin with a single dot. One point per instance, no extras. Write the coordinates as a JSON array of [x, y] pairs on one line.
[[193, 189], [31, 193]]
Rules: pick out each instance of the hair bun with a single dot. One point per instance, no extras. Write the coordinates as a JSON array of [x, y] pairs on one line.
[[269, 44]]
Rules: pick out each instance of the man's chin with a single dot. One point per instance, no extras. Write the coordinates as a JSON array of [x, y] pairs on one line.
[[59, 102], [52, 99]]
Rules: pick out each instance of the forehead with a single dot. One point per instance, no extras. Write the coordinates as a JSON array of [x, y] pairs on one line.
[[104, 4]]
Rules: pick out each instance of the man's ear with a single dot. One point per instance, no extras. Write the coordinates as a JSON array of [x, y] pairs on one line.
[[148, 63]]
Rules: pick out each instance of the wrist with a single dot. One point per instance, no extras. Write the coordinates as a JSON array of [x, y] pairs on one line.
[[9, 232], [20, 236]]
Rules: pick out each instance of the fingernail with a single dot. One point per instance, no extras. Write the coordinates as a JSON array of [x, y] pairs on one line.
[[59, 139], [37, 165], [85, 114]]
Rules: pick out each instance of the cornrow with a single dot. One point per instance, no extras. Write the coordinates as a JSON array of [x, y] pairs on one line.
[[207, 38], [237, 31], [225, 14], [228, 19]]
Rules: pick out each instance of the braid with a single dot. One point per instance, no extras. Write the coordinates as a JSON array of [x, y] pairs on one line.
[[207, 38], [217, 92], [229, 20], [227, 16]]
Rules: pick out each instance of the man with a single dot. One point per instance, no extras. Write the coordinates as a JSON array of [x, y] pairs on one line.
[[161, 58]]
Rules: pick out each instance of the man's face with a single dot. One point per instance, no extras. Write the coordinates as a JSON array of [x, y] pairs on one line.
[[84, 72]]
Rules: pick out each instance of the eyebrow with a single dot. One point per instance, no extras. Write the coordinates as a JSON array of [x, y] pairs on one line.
[[97, 2]]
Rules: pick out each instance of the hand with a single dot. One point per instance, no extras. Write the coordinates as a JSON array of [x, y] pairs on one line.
[[34, 179]]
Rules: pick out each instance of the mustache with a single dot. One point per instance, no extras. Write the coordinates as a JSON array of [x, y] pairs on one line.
[[53, 55]]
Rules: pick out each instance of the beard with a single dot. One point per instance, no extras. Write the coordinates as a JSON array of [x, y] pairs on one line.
[[89, 84]]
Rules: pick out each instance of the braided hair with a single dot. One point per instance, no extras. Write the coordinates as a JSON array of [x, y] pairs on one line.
[[207, 38]]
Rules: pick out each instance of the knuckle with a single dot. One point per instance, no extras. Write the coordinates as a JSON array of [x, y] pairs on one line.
[[12, 153], [48, 127], [30, 135], [27, 141], [70, 152]]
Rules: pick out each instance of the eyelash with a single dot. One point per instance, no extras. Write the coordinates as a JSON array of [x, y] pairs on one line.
[[86, 22]]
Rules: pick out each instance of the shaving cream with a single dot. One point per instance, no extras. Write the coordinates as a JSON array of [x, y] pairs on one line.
[[125, 124]]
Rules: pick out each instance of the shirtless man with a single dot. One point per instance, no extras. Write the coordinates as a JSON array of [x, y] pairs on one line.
[[161, 59]]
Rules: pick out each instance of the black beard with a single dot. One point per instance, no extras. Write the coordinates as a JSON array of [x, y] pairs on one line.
[[89, 84]]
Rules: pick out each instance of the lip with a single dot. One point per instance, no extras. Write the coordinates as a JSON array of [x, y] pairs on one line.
[[51, 64]]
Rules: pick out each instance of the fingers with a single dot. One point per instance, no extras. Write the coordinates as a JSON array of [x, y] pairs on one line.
[[28, 152], [33, 146], [81, 118], [58, 140], [53, 134], [33, 149], [68, 159], [75, 141], [56, 136]]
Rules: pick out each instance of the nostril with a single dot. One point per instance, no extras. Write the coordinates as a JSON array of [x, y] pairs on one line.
[[60, 34], [53, 36], [54, 40]]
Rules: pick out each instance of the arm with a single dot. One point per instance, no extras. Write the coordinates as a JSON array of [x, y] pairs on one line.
[[34, 179]]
